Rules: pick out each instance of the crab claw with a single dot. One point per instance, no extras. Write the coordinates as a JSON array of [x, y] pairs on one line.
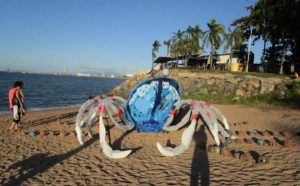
[[215, 135], [186, 139], [107, 150]]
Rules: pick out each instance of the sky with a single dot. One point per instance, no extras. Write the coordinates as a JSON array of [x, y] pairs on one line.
[[96, 35]]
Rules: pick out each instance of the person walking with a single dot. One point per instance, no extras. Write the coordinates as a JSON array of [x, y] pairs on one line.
[[16, 104]]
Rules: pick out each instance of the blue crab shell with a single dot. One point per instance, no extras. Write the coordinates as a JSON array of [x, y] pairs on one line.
[[150, 102]]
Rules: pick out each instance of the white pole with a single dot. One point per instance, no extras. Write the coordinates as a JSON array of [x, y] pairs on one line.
[[249, 50]]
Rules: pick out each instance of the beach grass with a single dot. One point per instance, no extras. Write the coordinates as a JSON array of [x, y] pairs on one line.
[[256, 74]]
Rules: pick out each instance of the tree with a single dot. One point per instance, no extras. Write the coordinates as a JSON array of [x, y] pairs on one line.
[[177, 36], [233, 40], [194, 34], [189, 45], [273, 55], [186, 43], [212, 38], [168, 44], [274, 21], [155, 49]]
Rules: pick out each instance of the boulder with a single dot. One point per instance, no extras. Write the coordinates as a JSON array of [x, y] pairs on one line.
[[203, 90], [267, 87], [229, 89], [239, 93], [254, 82], [249, 87], [211, 81]]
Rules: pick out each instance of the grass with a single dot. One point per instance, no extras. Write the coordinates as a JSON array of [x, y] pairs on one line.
[[256, 74], [290, 100], [213, 98]]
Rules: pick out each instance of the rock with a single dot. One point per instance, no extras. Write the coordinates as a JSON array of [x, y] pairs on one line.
[[229, 89], [62, 133], [280, 90], [132, 84], [220, 86], [287, 134], [236, 155], [263, 159], [273, 143], [225, 152], [289, 144], [243, 84], [267, 87], [239, 78], [246, 157], [253, 82], [239, 93], [238, 141], [42, 133], [232, 81], [249, 87], [203, 90], [227, 76], [249, 141], [211, 81]]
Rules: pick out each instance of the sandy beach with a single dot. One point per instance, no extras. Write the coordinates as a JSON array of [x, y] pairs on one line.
[[56, 159]]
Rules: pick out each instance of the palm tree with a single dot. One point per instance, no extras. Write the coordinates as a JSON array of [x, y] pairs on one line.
[[190, 43], [233, 40], [177, 36], [168, 44], [212, 37], [189, 32], [194, 34], [198, 34], [155, 49]]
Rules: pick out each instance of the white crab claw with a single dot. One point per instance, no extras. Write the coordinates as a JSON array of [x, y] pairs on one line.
[[79, 131], [107, 150], [186, 139], [79, 135], [215, 135]]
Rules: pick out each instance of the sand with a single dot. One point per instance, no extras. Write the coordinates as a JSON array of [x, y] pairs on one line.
[[60, 160]]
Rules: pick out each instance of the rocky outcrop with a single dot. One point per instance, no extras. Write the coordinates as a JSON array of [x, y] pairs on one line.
[[217, 83]]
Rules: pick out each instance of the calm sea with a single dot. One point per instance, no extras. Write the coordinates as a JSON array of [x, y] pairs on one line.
[[50, 91]]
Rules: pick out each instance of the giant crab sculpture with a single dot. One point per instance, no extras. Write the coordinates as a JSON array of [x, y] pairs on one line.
[[151, 107]]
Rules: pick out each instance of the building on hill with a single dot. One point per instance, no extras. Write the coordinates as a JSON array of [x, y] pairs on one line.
[[221, 61]]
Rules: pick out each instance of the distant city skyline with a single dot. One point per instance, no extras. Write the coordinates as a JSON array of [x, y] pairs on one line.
[[45, 36]]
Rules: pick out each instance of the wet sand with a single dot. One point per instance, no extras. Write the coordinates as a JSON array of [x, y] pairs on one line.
[[60, 160]]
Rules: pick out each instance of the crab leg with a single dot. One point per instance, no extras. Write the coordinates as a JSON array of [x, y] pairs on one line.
[[183, 121], [80, 121], [119, 112], [107, 150], [224, 120], [186, 139], [225, 130], [91, 115], [208, 119]]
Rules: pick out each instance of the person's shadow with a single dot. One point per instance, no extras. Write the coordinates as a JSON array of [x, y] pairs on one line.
[[200, 164], [39, 163]]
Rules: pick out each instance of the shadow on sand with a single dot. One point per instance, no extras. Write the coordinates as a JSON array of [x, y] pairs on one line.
[[47, 120], [200, 164], [39, 163]]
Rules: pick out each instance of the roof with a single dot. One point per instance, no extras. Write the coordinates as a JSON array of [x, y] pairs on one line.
[[164, 59], [194, 58]]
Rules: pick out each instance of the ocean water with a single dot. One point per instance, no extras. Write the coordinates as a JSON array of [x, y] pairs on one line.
[[50, 91]]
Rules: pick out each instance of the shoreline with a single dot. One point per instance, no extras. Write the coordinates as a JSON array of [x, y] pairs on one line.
[[5, 113]]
